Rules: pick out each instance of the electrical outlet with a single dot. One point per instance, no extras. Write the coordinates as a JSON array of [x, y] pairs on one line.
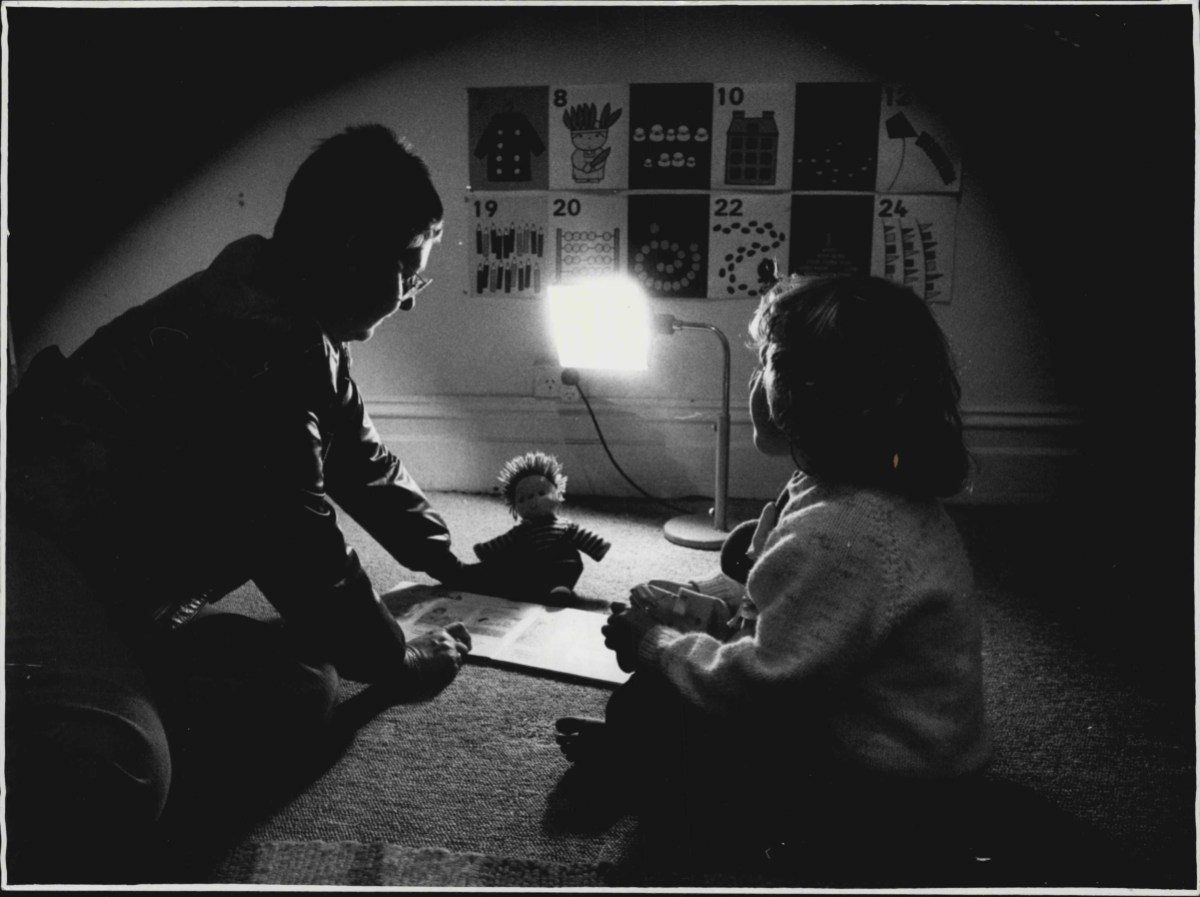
[[568, 393], [547, 381]]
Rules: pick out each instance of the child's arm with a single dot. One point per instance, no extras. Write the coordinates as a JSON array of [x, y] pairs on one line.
[[817, 590]]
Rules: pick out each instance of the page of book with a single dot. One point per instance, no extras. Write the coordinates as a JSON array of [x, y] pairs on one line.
[[561, 640]]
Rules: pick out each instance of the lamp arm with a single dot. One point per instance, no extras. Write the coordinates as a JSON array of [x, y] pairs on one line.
[[670, 323]]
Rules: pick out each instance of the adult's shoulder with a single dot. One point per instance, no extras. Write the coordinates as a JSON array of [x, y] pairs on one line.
[[262, 326]]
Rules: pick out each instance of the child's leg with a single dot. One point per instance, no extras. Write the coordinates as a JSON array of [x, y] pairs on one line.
[[644, 720]]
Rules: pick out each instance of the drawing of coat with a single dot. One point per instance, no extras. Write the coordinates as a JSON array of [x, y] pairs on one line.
[[509, 142]]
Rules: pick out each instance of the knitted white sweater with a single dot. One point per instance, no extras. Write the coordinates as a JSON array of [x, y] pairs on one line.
[[866, 599]]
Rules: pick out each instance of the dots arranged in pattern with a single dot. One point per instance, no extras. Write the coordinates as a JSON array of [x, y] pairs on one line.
[[759, 238], [666, 265]]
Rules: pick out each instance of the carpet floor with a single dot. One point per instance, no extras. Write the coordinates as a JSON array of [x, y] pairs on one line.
[[1094, 768]]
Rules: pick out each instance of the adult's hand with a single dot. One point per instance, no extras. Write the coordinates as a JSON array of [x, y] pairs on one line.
[[432, 660], [623, 633], [468, 578]]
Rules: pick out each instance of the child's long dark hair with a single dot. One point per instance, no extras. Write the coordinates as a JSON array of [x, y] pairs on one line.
[[862, 381]]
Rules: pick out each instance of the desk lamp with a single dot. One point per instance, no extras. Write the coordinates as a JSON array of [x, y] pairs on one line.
[[605, 324]]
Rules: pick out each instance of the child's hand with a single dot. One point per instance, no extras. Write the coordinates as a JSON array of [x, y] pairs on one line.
[[655, 598], [681, 607], [623, 633]]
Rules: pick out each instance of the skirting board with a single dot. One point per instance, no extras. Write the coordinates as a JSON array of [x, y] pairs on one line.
[[460, 443]]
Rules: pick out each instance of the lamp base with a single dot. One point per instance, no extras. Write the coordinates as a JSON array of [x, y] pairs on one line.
[[694, 531]]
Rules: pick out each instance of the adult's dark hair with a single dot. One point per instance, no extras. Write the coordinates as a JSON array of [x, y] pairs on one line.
[[364, 182], [864, 384]]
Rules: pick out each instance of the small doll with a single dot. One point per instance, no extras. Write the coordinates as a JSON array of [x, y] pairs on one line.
[[539, 558]]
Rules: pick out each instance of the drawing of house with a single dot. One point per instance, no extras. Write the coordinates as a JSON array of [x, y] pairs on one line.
[[751, 149]]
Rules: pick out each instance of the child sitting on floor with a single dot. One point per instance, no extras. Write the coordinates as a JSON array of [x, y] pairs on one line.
[[844, 704]]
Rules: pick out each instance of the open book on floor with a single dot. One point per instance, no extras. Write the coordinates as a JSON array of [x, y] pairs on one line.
[[562, 640]]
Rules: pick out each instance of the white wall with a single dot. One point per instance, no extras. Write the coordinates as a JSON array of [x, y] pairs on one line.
[[450, 382]]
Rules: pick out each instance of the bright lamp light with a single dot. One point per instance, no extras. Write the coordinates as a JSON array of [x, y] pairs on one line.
[[605, 323], [601, 323]]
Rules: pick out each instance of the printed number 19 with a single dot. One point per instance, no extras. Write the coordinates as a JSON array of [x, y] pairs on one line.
[[491, 207]]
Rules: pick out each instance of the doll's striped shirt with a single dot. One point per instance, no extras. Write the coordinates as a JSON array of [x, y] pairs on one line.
[[543, 539]]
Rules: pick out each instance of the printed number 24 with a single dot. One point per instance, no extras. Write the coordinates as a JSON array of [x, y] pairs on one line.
[[890, 207]]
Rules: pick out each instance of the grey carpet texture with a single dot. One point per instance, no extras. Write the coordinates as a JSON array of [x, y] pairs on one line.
[[352, 863], [470, 790]]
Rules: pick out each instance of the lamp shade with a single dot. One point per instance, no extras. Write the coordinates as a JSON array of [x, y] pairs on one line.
[[601, 323]]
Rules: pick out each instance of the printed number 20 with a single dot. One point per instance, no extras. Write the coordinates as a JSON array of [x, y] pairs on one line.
[[565, 207]]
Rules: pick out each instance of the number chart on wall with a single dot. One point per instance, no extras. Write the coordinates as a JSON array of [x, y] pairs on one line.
[[689, 187]]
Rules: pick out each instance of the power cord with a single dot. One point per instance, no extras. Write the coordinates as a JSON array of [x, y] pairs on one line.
[[570, 377]]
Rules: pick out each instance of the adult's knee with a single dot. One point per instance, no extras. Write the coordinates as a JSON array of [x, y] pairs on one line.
[[230, 678], [86, 787]]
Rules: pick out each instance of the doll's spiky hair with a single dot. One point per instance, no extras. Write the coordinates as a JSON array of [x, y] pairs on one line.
[[530, 464]]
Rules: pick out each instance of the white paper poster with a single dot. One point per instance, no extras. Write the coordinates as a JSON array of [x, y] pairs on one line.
[[752, 136], [589, 137], [509, 251], [917, 152], [745, 229], [588, 236], [914, 243]]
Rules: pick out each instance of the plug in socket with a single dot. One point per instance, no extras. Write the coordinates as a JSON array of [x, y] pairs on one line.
[[547, 381]]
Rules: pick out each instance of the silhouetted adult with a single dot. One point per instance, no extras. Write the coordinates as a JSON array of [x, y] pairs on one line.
[[189, 446]]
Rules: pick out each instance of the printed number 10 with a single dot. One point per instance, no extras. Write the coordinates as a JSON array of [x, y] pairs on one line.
[[736, 96]]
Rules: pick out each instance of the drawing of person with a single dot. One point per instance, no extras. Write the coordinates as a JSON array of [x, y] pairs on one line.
[[589, 136]]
